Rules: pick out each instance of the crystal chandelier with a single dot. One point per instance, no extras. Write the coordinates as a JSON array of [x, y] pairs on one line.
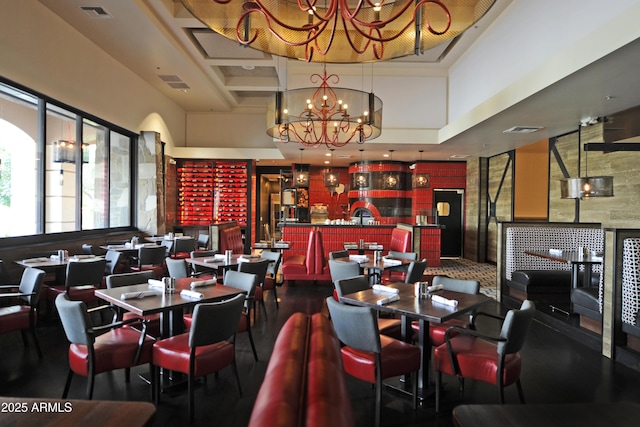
[[339, 31], [324, 115]]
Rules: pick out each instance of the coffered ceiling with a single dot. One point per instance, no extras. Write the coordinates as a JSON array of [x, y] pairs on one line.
[[205, 73]]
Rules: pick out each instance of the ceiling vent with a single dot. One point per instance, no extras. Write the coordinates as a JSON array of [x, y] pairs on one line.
[[344, 156], [95, 12], [174, 81], [522, 129]]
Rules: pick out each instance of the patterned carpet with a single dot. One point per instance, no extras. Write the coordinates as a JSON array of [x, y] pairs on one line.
[[465, 269]]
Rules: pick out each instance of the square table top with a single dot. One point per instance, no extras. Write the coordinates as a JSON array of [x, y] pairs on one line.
[[418, 308], [161, 302]]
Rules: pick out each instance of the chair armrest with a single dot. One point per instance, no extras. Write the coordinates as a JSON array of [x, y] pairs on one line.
[[474, 316], [99, 330], [3, 287], [15, 294], [465, 331]]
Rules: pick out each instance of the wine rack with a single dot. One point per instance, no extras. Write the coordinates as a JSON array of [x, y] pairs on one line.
[[212, 191]]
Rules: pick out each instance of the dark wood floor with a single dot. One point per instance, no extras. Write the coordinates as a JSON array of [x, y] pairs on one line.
[[555, 369]]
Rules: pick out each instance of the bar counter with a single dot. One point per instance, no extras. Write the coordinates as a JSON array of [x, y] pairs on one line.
[[426, 238]]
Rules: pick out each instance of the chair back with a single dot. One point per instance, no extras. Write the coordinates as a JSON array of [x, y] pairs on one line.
[[168, 247], [343, 269], [114, 258], [5, 278], [246, 282], [259, 268], [274, 261], [75, 320], [457, 285], [151, 255], [216, 321], [400, 240], [338, 254], [177, 268], [355, 326], [184, 245], [351, 284], [200, 254], [87, 249], [85, 272], [515, 327], [126, 279], [415, 271], [412, 256], [31, 283], [203, 241]]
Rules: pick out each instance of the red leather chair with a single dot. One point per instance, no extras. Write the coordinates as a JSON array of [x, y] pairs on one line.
[[82, 279], [22, 315], [301, 267], [491, 359], [96, 349], [206, 348], [259, 268], [182, 247], [323, 272], [125, 279], [369, 356]]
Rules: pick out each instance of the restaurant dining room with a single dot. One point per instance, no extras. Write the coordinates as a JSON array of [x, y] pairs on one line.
[[304, 214]]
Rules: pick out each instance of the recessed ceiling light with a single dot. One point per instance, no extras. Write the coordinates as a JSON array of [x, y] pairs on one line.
[[522, 129], [248, 67]]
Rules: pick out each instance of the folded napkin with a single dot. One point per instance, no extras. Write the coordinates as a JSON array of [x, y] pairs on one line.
[[443, 300], [434, 288], [249, 256], [219, 257], [260, 245], [555, 251], [281, 245], [137, 295], [390, 261], [384, 288], [155, 284], [199, 283], [85, 256], [351, 246], [41, 259], [389, 299], [191, 294], [374, 246], [359, 258]]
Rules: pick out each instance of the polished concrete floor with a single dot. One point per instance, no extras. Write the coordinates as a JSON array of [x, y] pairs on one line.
[[555, 369]]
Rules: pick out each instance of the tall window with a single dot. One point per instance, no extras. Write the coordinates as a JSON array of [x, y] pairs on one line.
[[18, 163], [82, 179]]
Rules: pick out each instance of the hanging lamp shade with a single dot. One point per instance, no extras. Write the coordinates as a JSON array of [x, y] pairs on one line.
[[586, 187]]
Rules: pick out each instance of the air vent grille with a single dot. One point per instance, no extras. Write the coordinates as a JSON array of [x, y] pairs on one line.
[[174, 82], [522, 129], [95, 11]]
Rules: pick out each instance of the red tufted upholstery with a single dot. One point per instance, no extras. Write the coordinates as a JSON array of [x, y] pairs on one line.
[[400, 240], [304, 384], [323, 272], [301, 267], [231, 238]]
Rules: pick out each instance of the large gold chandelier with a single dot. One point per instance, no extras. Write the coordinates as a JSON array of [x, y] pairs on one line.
[[339, 31], [324, 115]]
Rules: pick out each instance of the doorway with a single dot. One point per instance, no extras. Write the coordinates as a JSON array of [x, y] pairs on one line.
[[449, 207]]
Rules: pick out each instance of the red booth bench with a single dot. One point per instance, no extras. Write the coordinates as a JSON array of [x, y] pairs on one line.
[[231, 238], [304, 384]]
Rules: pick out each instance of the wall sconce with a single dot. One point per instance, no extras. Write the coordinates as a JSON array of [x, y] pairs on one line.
[[390, 181]]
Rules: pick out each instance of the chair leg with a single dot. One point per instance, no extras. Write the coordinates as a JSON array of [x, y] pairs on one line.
[[264, 308], [67, 384], [90, 379], [378, 402], [34, 334], [191, 400], [253, 346], [438, 385], [25, 341], [275, 296], [127, 375], [415, 391], [235, 371], [520, 392]]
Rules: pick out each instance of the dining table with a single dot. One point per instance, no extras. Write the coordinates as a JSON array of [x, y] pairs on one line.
[[151, 300], [55, 264], [575, 259], [425, 310], [220, 264], [375, 268]]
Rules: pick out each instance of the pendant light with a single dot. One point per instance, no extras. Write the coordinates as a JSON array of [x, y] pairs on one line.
[[421, 180], [390, 180], [361, 179], [301, 177]]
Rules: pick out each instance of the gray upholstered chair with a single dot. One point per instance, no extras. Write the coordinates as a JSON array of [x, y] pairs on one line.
[[207, 347], [271, 280], [21, 313], [177, 268], [151, 321], [151, 258], [96, 349], [399, 273], [488, 358], [203, 241], [387, 326], [366, 351], [259, 268], [415, 271], [343, 269], [200, 254]]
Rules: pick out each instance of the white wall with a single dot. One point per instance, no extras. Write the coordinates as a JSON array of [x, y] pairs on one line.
[[40, 51]]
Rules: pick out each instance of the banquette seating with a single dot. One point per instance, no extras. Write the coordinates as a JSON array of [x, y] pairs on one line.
[[304, 384], [301, 267], [537, 279], [400, 240], [231, 238]]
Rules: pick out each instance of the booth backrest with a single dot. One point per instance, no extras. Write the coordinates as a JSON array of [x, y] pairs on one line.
[[231, 238], [400, 240], [520, 239], [321, 265], [630, 280], [304, 384]]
